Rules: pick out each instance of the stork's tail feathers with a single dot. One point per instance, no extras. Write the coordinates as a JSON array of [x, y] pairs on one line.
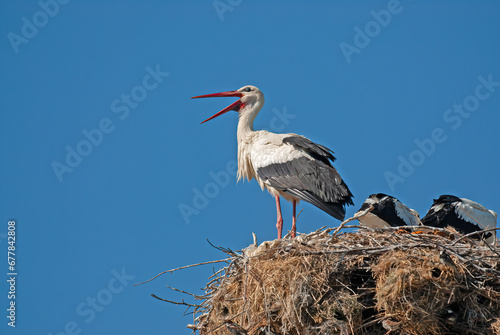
[[335, 209]]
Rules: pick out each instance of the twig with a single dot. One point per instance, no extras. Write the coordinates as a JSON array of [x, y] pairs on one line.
[[191, 294], [492, 248], [356, 216], [225, 250], [185, 267], [474, 233], [368, 250], [175, 302], [245, 289], [316, 232], [413, 228], [222, 324], [297, 217], [347, 287], [216, 273]]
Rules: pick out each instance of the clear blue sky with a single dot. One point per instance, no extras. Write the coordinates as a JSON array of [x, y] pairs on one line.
[[102, 149]]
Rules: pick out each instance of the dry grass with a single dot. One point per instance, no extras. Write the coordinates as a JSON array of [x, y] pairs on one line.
[[368, 282]]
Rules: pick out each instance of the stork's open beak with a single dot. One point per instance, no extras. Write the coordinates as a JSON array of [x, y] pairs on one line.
[[235, 106]]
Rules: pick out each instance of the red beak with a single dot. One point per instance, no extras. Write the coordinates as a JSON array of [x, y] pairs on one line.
[[235, 106]]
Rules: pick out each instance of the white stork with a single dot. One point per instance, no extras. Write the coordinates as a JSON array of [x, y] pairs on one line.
[[387, 211], [287, 165], [465, 215]]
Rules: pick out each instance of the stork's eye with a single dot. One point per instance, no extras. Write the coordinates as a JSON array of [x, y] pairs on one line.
[[247, 89]]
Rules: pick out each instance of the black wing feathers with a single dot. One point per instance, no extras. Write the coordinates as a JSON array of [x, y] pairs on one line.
[[386, 210], [313, 180], [317, 151], [447, 216]]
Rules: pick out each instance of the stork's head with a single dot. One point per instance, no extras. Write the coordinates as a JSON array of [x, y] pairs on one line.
[[250, 101]]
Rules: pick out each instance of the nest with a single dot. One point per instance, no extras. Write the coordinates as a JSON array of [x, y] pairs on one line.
[[366, 282]]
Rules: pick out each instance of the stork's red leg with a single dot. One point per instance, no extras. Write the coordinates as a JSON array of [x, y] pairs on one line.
[[279, 224], [294, 228]]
